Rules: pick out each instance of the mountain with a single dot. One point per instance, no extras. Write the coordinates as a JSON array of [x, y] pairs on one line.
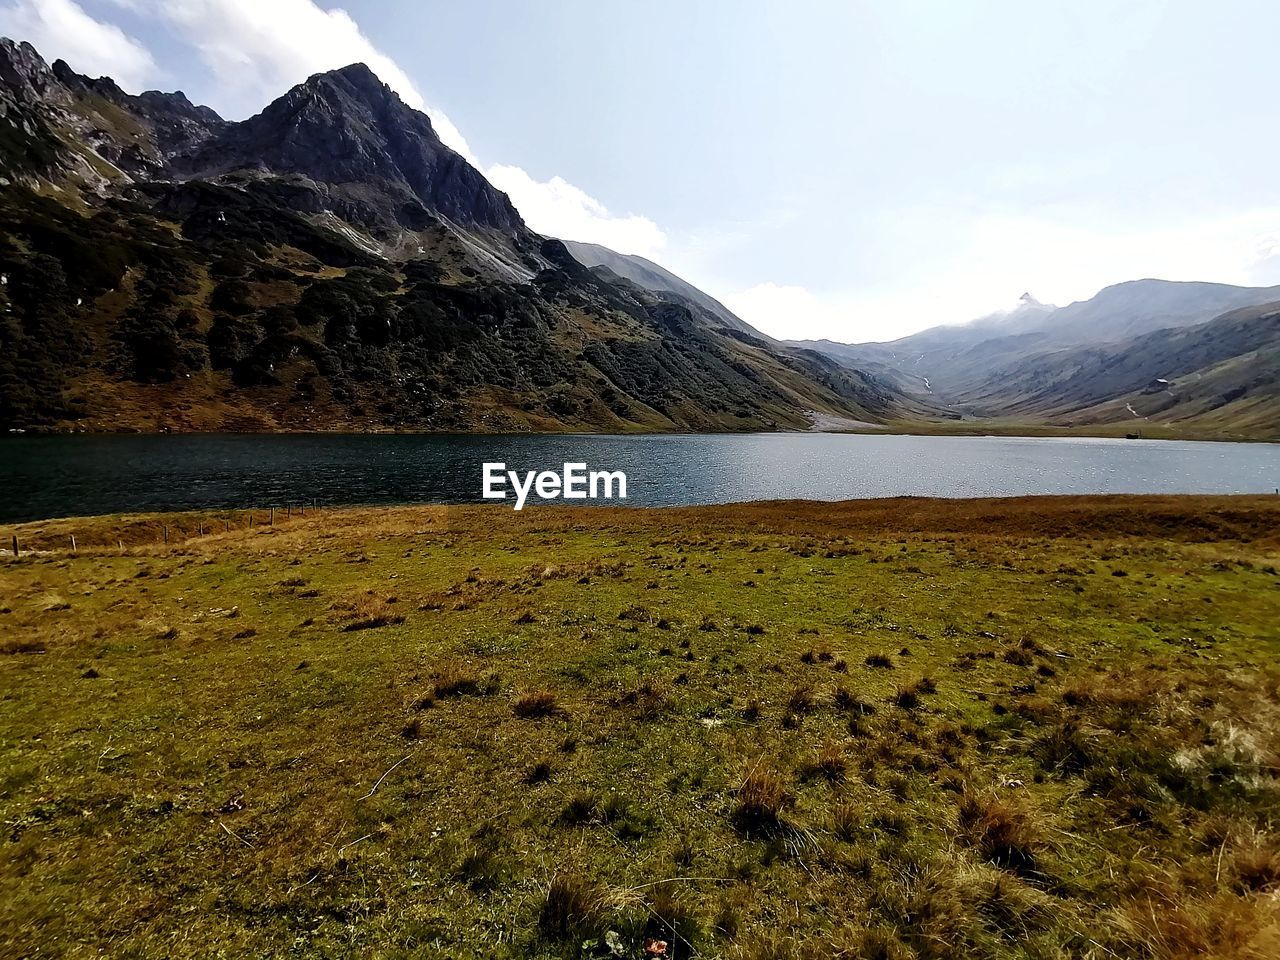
[[656, 279], [382, 160], [1223, 374], [58, 127], [330, 264], [953, 361]]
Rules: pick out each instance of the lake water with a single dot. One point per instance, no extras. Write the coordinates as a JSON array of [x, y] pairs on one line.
[[53, 476]]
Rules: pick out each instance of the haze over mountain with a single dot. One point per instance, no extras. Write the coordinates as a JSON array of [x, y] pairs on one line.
[[1224, 373], [1096, 361], [330, 264]]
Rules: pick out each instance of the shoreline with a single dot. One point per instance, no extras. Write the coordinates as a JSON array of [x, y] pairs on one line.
[[1051, 515], [832, 425]]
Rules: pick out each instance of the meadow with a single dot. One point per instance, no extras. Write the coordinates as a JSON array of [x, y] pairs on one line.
[[1040, 727]]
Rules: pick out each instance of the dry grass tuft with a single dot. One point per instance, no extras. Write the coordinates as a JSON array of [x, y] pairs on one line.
[[367, 612], [800, 699], [1257, 866], [672, 918], [456, 678], [648, 698], [831, 763], [1005, 834], [849, 822], [847, 702], [1018, 657], [413, 729], [536, 703], [573, 905], [906, 698], [540, 772], [1174, 926], [762, 796], [580, 809]]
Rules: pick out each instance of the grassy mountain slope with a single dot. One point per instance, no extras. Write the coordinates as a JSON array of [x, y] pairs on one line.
[[1224, 373], [954, 360], [657, 279], [330, 265], [239, 314]]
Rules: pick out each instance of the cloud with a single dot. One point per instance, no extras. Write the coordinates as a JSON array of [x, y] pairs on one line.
[[993, 259], [788, 312], [560, 209], [1265, 269], [61, 29]]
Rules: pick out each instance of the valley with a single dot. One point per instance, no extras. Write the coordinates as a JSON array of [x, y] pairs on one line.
[[328, 265], [1149, 358]]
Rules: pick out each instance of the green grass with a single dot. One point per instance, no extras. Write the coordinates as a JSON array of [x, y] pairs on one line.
[[1040, 728]]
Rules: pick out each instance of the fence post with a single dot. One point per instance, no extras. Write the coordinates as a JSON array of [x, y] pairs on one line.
[[119, 544], [15, 544], [73, 543], [272, 520], [166, 533]]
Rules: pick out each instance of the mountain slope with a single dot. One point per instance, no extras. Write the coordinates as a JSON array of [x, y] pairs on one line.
[[329, 264], [1225, 372], [651, 276], [955, 360], [1131, 309]]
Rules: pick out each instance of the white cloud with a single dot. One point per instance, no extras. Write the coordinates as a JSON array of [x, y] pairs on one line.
[[560, 209], [788, 312], [996, 258], [1265, 269], [62, 29]]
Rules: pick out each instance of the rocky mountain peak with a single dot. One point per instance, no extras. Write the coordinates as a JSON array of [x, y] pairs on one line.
[[369, 157], [362, 81], [103, 86], [178, 104], [347, 129], [354, 86], [23, 72]]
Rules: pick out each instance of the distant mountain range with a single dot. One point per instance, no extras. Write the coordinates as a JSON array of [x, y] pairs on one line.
[[329, 264], [1202, 357]]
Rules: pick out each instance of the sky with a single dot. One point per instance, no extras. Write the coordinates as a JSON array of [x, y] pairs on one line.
[[840, 169]]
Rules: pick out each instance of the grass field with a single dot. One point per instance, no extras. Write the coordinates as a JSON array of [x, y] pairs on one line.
[[1022, 728]]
